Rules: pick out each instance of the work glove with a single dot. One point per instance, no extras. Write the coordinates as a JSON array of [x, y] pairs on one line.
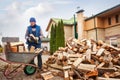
[[37, 39], [29, 39]]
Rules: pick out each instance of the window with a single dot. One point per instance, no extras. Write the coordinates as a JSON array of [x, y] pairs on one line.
[[113, 42], [109, 20], [116, 18]]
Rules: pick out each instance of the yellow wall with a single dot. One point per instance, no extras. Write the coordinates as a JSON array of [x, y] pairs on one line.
[[68, 32]]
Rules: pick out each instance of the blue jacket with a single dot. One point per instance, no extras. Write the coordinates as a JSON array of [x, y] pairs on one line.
[[36, 33]]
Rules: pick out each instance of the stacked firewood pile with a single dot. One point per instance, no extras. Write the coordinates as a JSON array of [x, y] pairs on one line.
[[86, 59]]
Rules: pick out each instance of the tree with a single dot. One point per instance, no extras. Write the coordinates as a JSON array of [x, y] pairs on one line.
[[57, 38], [54, 38], [62, 34], [51, 39], [60, 40]]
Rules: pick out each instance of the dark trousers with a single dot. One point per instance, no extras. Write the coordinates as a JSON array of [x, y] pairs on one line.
[[39, 55]]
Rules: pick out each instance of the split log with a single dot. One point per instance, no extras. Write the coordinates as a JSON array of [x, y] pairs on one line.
[[16, 44], [69, 46], [88, 55], [32, 49], [47, 75], [38, 50], [72, 59], [66, 67], [21, 49], [91, 74], [101, 64], [74, 55], [66, 75], [100, 52], [94, 47], [102, 78], [103, 70], [77, 62], [86, 67]]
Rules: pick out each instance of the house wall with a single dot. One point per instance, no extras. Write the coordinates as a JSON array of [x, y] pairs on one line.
[[68, 32], [89, 24], [112, 32], [104, 30], [91, 34], [113, 22], [100, 22]]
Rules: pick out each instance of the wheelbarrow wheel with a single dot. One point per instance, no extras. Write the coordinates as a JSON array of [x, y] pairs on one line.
[[29, 70]]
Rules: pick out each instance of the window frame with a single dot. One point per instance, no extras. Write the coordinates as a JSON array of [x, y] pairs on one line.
[[109, 21], [112, 40], [117, 18]]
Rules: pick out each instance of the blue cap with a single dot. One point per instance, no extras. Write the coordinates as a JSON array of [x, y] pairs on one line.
[[32, 19]]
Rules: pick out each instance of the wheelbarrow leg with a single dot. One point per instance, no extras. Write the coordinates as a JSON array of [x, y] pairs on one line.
[[11, 73]]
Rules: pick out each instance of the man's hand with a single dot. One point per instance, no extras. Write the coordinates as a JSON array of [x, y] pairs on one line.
[[29, 39], [37, 38]]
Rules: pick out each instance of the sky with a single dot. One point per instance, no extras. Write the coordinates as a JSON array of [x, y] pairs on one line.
[[15, 14]]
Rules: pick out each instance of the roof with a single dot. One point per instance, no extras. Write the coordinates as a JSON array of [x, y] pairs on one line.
[[45, 39], [10, 39], [65, 21], [103, 12]]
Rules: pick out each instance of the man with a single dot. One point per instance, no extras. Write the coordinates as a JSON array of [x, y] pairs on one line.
[[33, 36]]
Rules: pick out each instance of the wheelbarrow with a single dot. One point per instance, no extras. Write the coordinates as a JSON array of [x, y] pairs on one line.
[[23, 60]]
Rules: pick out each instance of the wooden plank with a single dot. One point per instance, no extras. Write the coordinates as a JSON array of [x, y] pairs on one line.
[[106, 69], [38, 50], [88, 54], [102, 78], [100, 51], [100, 65], [77, 41], [16, 43], [33, 36], [91, 73], [32, 49], [115, 48], [47, 75], [20, 48], [55, 66], [94, 49], [66, 75], [69, 46], [66, 67], [73, 59], [87, 67], [77, 62], [74, 55]]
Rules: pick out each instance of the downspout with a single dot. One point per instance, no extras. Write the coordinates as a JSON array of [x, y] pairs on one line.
[[75, 30]]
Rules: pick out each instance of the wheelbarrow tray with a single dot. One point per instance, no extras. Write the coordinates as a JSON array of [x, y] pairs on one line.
[[23, 57]]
